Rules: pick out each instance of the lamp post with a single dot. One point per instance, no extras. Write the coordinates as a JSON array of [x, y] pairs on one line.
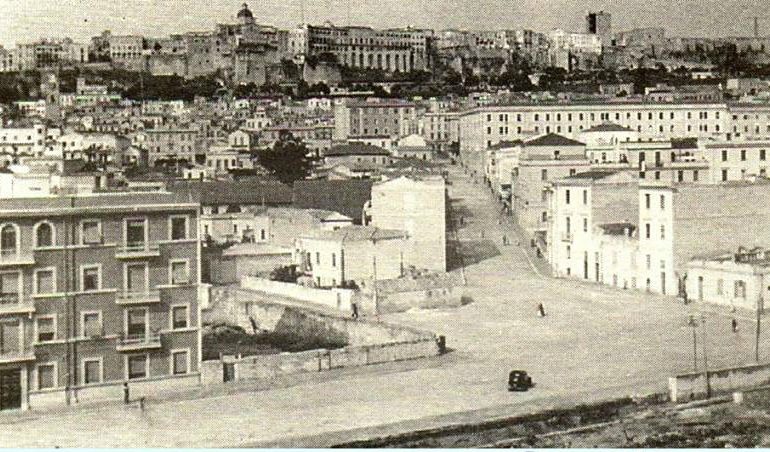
[[760, 308], [705, 358]]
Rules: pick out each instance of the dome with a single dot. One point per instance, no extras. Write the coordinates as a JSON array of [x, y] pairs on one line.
[[245, 12]]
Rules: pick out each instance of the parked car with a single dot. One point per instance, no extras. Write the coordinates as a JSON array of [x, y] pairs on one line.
[[518, 380]]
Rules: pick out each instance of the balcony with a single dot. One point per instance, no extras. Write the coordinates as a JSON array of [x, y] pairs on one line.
[[11, 304], [138, 251], [131, 298], [567, 237], [139, 342], [12, 258], [16, 356]]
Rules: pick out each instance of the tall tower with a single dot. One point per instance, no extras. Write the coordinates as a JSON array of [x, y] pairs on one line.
[[600, 24], [245, 17]]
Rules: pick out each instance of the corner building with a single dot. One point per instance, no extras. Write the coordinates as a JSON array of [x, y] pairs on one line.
[[97, 290]]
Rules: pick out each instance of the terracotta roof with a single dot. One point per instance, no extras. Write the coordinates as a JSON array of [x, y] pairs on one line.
[[553, 139], [609, 127], [355, 148]]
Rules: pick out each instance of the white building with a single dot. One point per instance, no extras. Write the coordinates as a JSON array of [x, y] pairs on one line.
[[736, 279]]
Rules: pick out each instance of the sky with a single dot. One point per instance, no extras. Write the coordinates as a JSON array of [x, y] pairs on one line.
[[27, 20]]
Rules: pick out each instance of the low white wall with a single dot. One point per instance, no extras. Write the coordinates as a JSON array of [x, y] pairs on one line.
[[335, 298], [692, 386]]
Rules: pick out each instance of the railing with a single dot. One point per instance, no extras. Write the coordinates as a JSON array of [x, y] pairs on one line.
[[147, 296], [566, 237], [11, 303], [140, 341], [139, 249]]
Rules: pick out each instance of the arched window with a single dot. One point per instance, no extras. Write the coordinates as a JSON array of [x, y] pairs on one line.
[[9, 240], [44, 234]]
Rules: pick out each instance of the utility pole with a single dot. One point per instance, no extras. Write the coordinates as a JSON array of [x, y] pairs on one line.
[[705, 358], [760, 308], [693, 323], [374, 286]]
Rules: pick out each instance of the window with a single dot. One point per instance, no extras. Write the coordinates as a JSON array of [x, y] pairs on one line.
[[568, 225], [724, 175], [45, 281], [680, 176], [92, 324], [179, 317], [46, 328], [662, 232], [334, 260], [178, 228], [90, 277], [92, 371], [585, 197], [317, 258], [743, 156], [720, 286], [180, 272], [647, 230], [137, 366], [135, 233], [762, 154], [567, 196], [180, 362], [136, 278], [740, 289], [46, 376], [648, 262], [585, 224], [9, 244], [662, 202], [647, 200], [544, 174], [724, 156], [44, 235], [569, 252], [136, 323], [91, 232], [695, 176]]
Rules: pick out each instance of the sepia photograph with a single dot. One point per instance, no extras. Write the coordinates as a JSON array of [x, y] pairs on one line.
[[432, 224]]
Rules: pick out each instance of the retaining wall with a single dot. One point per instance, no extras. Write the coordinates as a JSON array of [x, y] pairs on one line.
[[270, 366], [334, 298], [692, 386]]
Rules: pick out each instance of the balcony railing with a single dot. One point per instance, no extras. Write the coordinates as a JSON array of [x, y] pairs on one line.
[[566, 237], [16, 355], [138, 250], [135, 342], [143, 297], [9, 258], [11, 303]]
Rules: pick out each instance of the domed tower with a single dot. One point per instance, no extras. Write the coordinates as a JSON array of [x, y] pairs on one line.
[[245, 17]]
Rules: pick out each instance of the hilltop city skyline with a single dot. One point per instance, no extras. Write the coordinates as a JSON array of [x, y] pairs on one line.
[[81, 19]]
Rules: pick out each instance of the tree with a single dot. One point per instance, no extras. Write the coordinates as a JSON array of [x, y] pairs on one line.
[[288, 159], [286, 274]]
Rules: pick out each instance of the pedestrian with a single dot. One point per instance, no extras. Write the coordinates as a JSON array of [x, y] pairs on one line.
[[735, 325], [126, 398], [540, 310], [505, 240], [354, 307]]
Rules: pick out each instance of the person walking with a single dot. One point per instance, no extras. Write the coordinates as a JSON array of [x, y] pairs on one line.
[[540, 310], [735, 325], [354, 307]]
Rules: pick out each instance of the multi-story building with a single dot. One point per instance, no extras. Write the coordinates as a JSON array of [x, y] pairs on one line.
[[394, 50], [441, 129], [485, 126], [419, 207], [541, 161], [375, 117], [600, 24], [16, 143], [97, 291], [127, 51], [50, 54], [169, 144], [735, 279], [737, 160]]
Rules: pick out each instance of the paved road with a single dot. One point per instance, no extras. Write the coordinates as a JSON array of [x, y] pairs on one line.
[[594, 343]]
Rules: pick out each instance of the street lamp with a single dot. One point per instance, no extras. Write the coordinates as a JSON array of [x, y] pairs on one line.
[[692, 322]]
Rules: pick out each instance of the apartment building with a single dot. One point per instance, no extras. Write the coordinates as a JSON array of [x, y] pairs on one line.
[[97, 290], [583, 208], [22, 142], [169, 144], [485, 126], [417, 206], [541, 161], [352, 254], [441, 129], [127, 51], [374, 118]]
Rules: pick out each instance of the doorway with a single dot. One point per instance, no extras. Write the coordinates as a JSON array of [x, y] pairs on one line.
[[10, 389]]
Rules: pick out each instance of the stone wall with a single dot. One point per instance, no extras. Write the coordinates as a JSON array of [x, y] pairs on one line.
[[334, 298], [265, 367]]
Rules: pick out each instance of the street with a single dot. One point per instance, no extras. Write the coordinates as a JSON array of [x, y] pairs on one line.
[[593, 343]]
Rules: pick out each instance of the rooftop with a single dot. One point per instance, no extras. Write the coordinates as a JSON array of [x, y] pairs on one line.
[[95, 202], [245, 191], [355, 148], [609, 127], [357, 234], [553, 139]]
